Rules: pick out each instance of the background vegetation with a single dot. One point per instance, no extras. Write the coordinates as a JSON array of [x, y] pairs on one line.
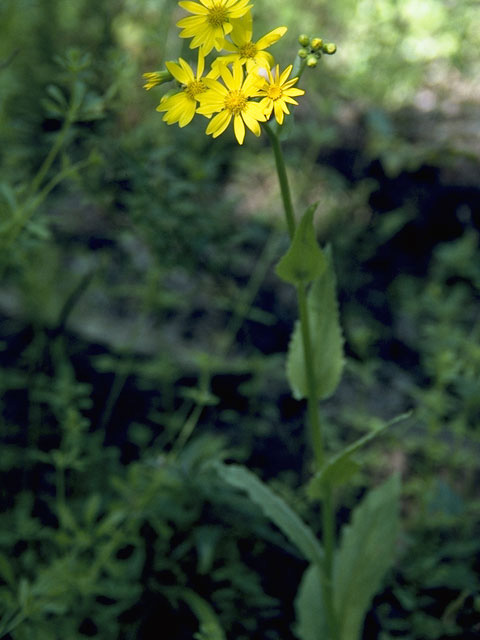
[[137, 347]]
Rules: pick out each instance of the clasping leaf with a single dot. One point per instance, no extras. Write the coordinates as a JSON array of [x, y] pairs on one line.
[[304, 260], [327, 339]]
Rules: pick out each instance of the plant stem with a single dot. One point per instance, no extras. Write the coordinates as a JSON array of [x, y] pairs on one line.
[[328, 519], [60, 139], [312, 400], [283, 180], [328, 528], [52, 154], [328, 516]]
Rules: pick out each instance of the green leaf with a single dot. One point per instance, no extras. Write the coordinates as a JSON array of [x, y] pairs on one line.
[[340, 467], [92, 509], [310, 611], [275, 508], [367, 551], [7, 572], [206, 542], [66, 517], [326, 336], [304, 260], [210, 628], [57, 95], [24, 592], [7, 194], [333, 474]]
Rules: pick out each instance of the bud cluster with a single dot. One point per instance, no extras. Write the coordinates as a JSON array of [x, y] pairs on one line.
[[312, 49]]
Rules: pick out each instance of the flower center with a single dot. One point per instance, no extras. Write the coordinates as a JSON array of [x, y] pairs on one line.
[[274, 92], [194, 88], [248, 50], [235, 102], [217, 15]]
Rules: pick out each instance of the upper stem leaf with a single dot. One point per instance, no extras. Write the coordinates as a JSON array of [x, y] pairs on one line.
[[326, 339], [304, 260]]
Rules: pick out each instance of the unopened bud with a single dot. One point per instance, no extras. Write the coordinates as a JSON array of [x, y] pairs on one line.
[[312, 61], [155, 78], [302, 53], [329, 48], [304, 40], [316, 44]]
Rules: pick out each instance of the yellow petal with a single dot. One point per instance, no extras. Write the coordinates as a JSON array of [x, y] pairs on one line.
[[285, 74], [239, 128], [190, 22], [278, 112], [227, 77], [187, 114], [219, 123], [178, 72], [251, 123], [242, 29], [267, 107], [171, 102], [271, 37], [237, 74], [200, 64], [193, 7], [255, 110]]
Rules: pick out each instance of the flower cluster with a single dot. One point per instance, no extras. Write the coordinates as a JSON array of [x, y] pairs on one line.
[[243, 83]]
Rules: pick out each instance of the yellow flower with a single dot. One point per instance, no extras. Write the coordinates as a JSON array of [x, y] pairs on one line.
[[250, 53], [277, 91], [181, 106], [232, 101], [210, 22]]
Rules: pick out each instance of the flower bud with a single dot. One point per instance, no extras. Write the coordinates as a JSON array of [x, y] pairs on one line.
[[312, 61], [302, 53], [329, 48], [154, 78], [316, 44], [304, 40]]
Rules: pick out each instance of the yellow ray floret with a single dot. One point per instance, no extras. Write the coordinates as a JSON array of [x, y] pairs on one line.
[[210, 22], [232, 101], [181, 106], [277, 91], [244, 49]]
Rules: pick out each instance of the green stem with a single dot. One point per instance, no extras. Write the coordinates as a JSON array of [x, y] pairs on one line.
[[26, 211], [52, 154], [58, 144], [13, 622], [61, 491], [312, 400], [299, 67], [328, 516], [328, 528], [188, 428], [283, 180]]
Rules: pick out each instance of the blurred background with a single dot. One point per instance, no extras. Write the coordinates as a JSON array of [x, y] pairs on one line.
[[143, 330]]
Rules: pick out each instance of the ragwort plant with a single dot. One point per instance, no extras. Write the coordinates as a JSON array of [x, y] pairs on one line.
[[246, 87]]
